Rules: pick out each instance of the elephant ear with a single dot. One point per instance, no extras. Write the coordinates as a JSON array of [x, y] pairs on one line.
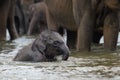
[[39, 44]]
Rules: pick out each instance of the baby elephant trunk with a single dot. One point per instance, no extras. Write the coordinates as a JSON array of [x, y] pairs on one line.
[[65, 52]]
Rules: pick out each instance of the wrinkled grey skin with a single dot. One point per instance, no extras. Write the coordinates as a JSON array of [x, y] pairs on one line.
[[46, 47], [84, 16], [38, 18]]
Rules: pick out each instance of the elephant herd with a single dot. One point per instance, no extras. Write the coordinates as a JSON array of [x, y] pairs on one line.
[[85, 21]]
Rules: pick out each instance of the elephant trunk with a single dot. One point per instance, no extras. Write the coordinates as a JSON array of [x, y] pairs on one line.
[[65, 52], [65, 56]]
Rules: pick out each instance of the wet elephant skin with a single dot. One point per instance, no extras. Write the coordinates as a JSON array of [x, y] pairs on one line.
[[84, 16], [46, 47]]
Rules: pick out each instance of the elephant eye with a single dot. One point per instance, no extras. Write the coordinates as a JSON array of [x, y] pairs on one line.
[[57, 43]]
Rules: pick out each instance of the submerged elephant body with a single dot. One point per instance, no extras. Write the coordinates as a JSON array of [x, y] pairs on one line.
[[46, 47], [27, 54], [85, 16]]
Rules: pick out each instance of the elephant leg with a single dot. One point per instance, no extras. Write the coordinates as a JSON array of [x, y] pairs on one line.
[[3, 22], [84, 18], [10, 22], [111, 28], [3, 19], [84, 34], [38, 19], [33, 23], [52, 25], [20, 18], [43, 21]]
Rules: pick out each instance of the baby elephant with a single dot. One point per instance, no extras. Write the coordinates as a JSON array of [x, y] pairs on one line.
[[46, 47]]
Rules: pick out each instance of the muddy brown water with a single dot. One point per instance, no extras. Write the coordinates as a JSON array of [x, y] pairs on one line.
[[97, 65]]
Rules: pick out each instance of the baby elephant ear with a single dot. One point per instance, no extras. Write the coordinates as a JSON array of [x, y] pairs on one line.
[[39, 45]]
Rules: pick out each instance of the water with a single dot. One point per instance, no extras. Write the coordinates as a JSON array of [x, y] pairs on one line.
[[97, 65]]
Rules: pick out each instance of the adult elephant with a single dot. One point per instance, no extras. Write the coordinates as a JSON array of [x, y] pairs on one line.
[[85, 16], [7, 19]]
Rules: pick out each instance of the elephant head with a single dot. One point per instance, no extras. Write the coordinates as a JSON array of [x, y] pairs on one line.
[[51, 44]]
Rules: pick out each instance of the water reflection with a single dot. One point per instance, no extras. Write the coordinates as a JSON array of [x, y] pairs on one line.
[[96, 65]]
